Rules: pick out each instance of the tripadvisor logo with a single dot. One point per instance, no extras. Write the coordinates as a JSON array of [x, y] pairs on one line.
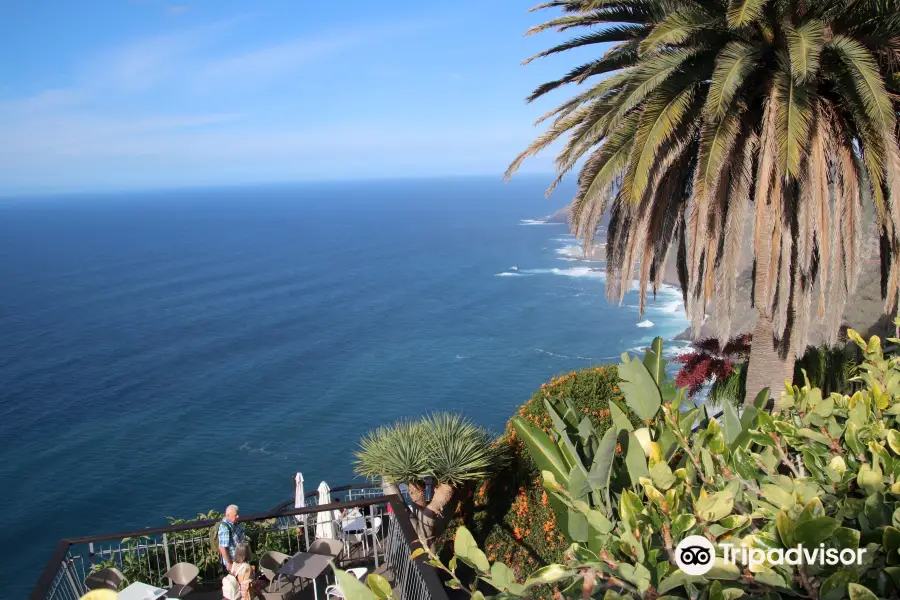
[[695, 554]]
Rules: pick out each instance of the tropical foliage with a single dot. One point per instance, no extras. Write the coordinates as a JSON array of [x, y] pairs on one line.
[[705, 115], [510, 513], [823, 472], [722, 368], [722, 371], [830, 368], [444, 448]]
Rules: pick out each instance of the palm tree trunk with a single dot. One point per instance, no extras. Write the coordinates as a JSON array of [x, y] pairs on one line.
[[766, 367], [769, 363], [443, 494], [391, 489], [430, 514], [417, 496]]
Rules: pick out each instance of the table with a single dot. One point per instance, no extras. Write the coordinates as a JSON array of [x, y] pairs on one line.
[[306, 566], [354, 524], [141, 591]]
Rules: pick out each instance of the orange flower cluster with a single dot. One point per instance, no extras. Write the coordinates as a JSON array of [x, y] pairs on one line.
[[550, 527], [521, 503], [541, 421], [544, 498]]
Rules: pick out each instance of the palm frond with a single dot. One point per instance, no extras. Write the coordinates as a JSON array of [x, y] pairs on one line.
[[868, 81], [621, 57], [617, 33], [733, 65], [673, 30], [744, 12], [804, 47], [794, 120], [659, 121], [648, 76]]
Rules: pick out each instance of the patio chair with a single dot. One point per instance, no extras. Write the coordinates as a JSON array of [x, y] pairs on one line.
[[334, 591], [327, 547], [182, 576], [104, 579], [375, 530], [279, 586]]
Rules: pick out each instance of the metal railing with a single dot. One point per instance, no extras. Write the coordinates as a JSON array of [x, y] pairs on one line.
[[145, 555], [351, 492]]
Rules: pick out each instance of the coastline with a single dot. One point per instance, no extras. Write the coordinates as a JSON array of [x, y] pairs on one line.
[[863, 311]]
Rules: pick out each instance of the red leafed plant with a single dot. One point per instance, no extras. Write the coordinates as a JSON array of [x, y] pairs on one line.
[[708, 362]]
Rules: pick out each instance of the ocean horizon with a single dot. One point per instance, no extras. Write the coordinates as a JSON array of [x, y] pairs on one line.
[[164, 353]]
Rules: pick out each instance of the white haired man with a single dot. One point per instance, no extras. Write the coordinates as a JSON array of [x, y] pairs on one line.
[[231, 533]]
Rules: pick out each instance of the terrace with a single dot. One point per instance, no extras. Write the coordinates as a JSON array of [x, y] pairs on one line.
[[380, 539]]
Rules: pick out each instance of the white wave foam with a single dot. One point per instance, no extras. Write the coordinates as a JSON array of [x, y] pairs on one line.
[[567, 259], [671, 351], [647, 323], [571, 272], [508, 274], [555, 355], [572, 251], [537, 222], [668, 307], [461, 357], [246, 447]]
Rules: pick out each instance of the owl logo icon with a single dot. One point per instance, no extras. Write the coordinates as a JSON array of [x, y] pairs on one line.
[[694, 555]]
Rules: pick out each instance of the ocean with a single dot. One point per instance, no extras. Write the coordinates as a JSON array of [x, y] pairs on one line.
[[166, 353]]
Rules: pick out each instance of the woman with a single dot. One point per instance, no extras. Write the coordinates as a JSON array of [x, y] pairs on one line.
[[238, 583]]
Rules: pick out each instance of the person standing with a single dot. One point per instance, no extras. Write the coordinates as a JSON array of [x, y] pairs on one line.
[[231, 533], [238, 584]]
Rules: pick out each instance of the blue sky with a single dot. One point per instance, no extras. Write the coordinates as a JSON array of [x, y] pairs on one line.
[[112, 94]]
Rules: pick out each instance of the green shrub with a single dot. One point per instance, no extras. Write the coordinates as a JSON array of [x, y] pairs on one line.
[[510, 514], [827, 367], [822, 472]]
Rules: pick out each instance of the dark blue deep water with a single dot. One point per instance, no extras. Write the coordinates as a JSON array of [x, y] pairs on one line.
[[170, 352]]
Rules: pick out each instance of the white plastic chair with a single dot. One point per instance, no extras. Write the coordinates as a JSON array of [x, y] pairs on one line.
[[334, 591], [375, 529]]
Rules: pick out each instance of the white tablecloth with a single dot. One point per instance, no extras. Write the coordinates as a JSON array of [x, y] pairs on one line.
[[354, 522], [141, 591]]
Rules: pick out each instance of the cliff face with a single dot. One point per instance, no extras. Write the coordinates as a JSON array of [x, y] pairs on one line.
[[864, 310]]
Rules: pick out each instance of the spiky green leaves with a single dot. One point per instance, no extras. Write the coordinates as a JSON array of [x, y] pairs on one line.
[[445, 446], [396, 451]]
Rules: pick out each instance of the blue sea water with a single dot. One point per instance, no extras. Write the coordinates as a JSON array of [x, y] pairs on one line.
[[170, 352]]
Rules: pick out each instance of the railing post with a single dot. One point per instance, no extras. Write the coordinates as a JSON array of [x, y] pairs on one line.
[[166, 546], [374, 533], [75, 588]]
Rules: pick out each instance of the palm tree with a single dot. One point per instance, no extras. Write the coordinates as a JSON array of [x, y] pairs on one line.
[[705, 114], [443, 447]]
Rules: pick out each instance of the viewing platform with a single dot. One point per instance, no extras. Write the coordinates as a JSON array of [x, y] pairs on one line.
[[362, 531]]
